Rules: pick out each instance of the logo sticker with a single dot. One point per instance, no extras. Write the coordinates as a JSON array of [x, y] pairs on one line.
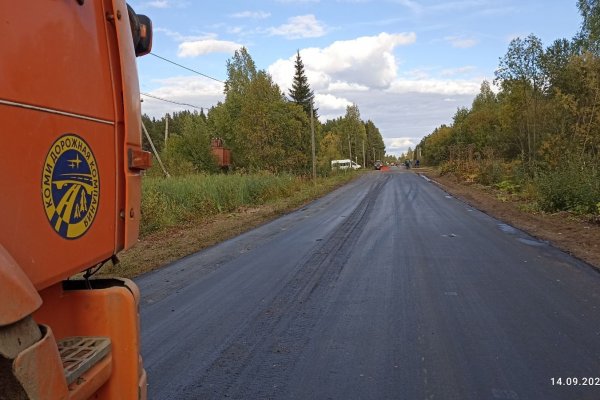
[[70, 186]]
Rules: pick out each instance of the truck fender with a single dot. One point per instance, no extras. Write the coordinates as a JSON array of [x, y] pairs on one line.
[[19, 297]]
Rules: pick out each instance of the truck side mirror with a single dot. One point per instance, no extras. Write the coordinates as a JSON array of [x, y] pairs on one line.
[[144, 45], [141, 32]]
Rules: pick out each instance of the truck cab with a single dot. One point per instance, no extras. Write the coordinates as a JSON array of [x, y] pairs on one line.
[[70, 167]]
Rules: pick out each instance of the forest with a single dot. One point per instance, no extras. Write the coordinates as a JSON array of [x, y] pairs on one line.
[[534, 131], [265, 129]]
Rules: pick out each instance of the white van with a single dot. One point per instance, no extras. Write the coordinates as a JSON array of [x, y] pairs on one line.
[[344, 164]]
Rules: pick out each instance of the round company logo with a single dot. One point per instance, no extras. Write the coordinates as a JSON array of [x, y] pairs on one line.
[[70, 186]]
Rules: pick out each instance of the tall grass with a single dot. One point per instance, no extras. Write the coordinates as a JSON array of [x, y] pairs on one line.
[[177, 200]]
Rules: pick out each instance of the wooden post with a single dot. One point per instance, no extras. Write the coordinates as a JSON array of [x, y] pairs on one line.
[[364, 157], [166, 128], [312, 141], [350, 150], [154, 150]]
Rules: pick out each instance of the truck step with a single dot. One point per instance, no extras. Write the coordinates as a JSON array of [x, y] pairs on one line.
[[80, 353]]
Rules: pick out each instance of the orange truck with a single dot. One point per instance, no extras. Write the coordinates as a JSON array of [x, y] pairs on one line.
[[70, 177]]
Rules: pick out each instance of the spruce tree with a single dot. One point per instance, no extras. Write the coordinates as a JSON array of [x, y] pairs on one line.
[[300, 93]]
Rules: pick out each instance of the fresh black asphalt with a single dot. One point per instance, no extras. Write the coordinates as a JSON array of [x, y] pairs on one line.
[[387, 288]]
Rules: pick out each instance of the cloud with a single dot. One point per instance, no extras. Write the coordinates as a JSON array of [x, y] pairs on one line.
[[364, 62], [397, 145], [405, 116], [236, 30], [459, 5], [401, 142], [437, 86], [367, 60], [412, 5], [178, 37], [331, 102], [187, 85], [461, 42], [158, 4], [202, 47], [408, 116], [302, 26], [345, 86], [445, 6], [193, 90], [330, 106], [457, 71], [164, 4], [251, 14]]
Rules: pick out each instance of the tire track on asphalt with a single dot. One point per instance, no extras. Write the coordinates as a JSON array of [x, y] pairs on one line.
[[268, 345]]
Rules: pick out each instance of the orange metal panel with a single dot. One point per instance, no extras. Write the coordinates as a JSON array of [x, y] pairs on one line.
[[111, 311], [88, 70], [15, 285], [92, 380], [29, 231], [53, 54], [127, 111], [40, 371], [222, 155], [226, 157], [139, 159]]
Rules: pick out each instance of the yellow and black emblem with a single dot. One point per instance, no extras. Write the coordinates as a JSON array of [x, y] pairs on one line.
[[70, 186]]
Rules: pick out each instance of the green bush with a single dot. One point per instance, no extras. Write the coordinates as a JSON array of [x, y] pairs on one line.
[[574, 187], [508, 187], [490, 172]]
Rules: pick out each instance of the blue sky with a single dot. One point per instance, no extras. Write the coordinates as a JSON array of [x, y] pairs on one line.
[[407, 64]]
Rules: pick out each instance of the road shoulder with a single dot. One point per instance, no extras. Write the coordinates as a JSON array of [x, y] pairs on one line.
[[579, 238]]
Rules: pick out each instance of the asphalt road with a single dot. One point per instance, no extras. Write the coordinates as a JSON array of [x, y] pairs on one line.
[[387, 288]]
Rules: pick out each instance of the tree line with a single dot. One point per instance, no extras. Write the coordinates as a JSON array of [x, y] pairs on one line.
[[540, 130], [264, 129]]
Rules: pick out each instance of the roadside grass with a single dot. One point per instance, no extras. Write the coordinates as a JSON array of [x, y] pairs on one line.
[[182, 215], [171, 202]]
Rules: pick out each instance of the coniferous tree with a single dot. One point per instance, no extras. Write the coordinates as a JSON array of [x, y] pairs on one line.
[[300, 93]]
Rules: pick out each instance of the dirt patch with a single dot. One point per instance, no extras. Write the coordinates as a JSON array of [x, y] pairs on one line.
[[563, 230], [172, 244]]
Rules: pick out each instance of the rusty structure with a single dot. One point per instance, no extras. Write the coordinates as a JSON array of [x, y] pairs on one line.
[[221, 153]]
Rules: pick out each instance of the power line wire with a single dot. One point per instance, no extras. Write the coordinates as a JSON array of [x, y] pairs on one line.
[[184, 67], [174, 102]]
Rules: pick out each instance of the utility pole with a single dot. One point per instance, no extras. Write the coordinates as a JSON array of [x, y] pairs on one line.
[[350, 149], [312, 142], [166, 128], [364, 157], [154, 150]]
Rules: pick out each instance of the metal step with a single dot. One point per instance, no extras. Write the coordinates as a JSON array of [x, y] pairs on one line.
[[80, 353]]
